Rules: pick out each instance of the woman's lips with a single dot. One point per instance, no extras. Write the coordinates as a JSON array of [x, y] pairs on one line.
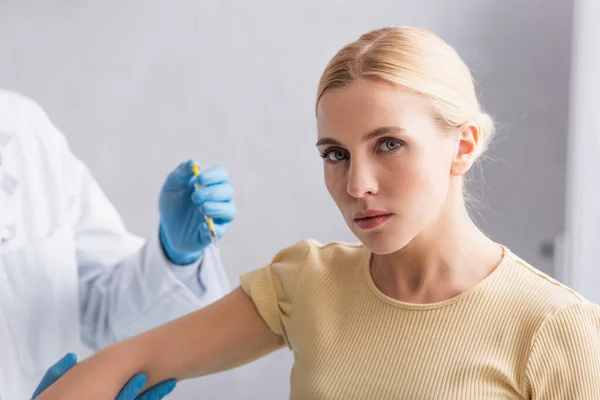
[[370, 219]]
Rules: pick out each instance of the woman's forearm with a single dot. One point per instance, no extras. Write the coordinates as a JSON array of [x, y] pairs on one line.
[[100, 376], [221, 336]]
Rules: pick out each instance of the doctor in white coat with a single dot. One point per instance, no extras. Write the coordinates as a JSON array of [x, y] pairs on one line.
[[70, 272]]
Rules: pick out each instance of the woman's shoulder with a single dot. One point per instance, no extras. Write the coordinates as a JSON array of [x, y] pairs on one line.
[[311, 253], [539, 295], [315, 260], [533, 280], [308, 261]]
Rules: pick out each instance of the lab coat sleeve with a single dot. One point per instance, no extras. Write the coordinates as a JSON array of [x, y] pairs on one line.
[[133, 294], [126, 285]]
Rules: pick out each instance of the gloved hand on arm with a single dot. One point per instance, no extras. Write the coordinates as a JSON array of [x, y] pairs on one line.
[[129, 392]]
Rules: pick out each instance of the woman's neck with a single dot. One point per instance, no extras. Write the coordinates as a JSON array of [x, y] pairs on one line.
[[446, 259]]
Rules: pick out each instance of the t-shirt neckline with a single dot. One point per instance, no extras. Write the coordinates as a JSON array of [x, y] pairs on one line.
[[366, 264]]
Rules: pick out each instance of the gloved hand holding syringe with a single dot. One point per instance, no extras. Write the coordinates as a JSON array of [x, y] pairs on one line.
[[187, 228]]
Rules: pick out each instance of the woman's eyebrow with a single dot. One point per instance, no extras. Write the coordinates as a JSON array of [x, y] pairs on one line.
[[384, 130]]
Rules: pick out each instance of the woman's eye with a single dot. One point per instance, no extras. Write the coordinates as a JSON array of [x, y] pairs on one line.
[[390, 145], [334, 155]]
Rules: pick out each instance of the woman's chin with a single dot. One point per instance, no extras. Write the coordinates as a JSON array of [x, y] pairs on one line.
[[381, 244]]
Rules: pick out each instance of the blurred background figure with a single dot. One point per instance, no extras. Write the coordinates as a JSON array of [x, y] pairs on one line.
[[70, 271]]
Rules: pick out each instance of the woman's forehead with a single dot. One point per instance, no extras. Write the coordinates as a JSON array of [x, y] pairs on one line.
[[364, 106]]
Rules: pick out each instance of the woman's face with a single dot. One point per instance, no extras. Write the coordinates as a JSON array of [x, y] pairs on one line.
[[387, 161]]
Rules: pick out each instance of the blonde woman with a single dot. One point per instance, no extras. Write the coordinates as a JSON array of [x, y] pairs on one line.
[[426, 306]]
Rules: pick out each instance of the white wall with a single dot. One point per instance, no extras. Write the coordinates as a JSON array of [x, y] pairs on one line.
[[583, 196], [138, 86]]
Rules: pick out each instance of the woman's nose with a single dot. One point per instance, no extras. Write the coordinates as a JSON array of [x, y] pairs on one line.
[[361, 180]]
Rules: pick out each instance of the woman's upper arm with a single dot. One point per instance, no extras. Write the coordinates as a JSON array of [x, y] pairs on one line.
[[221, 336]]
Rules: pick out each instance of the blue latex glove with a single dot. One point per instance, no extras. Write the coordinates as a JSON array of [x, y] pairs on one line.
[[129, 392], [183, 230]]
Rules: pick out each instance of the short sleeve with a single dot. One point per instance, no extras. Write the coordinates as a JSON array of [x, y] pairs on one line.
[[564, 362], [272, 288]]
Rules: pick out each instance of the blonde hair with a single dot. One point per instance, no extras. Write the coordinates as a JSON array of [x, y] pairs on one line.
[[419, 61]]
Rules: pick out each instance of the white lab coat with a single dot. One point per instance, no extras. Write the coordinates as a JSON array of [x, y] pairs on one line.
[[70, 273]]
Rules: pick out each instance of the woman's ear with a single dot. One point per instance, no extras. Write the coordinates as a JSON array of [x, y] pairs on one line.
[[467, 150]]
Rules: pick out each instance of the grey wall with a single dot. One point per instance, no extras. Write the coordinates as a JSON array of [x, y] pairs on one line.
[[138, 86], [583, 200]]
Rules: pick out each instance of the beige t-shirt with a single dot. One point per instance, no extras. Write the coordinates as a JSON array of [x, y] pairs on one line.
[[518, 334]]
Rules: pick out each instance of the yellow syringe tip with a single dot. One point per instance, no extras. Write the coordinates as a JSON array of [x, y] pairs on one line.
[[209, 220], [195, 169], [211, 224]]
